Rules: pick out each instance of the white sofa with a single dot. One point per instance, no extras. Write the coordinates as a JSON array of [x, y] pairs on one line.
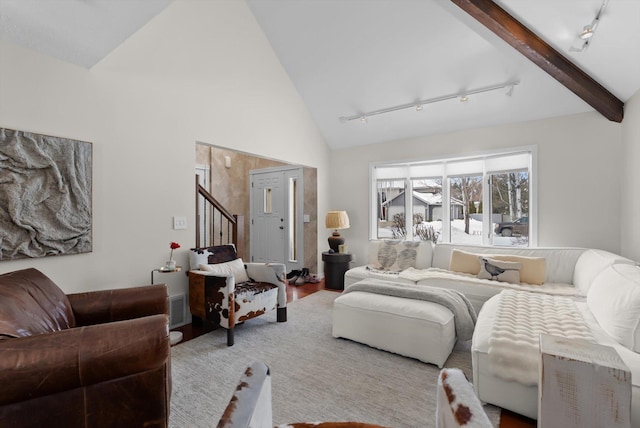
[[568, 271], [611, 315], [604, 286]]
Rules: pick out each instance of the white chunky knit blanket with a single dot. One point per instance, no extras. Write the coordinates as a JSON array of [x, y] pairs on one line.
[[514, 344]]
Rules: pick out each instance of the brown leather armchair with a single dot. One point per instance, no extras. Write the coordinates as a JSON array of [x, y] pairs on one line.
[[95, 359]]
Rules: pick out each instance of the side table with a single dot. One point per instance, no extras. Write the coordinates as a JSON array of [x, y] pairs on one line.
[[582, 384], [175, 337], [164, 270], [335, 266]]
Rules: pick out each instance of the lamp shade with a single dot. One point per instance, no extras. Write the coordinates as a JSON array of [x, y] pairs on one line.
[[337, 220]]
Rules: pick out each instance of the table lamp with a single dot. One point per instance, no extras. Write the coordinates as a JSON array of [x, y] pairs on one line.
[[336, 220]]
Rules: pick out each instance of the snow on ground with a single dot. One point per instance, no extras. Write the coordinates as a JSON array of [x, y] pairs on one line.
[[459, 237]]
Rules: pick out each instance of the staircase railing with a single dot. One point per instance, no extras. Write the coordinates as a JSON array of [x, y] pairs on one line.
[[226, 228]]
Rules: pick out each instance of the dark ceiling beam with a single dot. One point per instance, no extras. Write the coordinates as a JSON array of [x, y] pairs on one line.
[[544, 56]]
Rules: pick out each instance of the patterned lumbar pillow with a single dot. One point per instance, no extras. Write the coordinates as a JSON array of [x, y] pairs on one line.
[[396, 256], [499, 270]]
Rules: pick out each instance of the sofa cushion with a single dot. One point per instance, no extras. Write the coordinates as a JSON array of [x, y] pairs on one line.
[[30, 304], [614, 300], [590, 264], [499, 270], [532, 270], [233, 268]]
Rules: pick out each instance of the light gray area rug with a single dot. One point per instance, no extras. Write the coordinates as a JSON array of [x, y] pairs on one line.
[[315, 377]]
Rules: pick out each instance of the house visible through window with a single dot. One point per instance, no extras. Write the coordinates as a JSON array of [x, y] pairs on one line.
[[483, 199]]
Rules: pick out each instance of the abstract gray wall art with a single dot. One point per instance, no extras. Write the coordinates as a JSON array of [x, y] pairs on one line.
[[45, 195]]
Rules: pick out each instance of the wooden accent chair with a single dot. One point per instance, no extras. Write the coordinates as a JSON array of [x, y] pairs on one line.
[[226, 291]]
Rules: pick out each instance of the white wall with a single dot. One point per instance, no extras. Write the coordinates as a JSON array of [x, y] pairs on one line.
[[200, 71], [630, 226], [579, 176]]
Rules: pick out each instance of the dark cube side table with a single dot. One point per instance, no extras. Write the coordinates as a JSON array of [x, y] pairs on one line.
[[335, 266]]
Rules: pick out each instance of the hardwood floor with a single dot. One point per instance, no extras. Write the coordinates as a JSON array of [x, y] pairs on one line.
[[507, 420]]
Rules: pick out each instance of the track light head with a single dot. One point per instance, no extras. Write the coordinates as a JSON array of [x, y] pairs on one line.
[[587, 32]]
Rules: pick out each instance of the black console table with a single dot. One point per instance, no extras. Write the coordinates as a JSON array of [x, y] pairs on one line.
[[335, 266]]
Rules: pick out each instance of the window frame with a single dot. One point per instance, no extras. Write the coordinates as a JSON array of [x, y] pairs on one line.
[[441, 163]]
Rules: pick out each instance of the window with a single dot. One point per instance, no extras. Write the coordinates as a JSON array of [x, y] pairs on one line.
[[390, 209], [483, 199], [465, 198]]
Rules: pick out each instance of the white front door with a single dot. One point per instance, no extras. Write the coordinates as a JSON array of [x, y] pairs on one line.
[[267, 218], [277, 216]]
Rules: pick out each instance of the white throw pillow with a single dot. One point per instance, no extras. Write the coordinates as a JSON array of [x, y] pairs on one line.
[[499, 270], [234, 267], [614, 300]]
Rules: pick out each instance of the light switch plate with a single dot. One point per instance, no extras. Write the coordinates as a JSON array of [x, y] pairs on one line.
[[179, 222]]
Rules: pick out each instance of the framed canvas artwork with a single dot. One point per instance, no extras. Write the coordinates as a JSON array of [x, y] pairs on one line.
[[45, 195]]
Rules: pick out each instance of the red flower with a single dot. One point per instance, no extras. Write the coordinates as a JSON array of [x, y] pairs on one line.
[[173, 246]]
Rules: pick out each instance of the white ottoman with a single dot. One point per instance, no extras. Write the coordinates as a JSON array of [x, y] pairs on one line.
[[413, 328]]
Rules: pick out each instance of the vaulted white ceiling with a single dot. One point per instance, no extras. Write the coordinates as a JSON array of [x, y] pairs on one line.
[[81, 32], [351, 57]]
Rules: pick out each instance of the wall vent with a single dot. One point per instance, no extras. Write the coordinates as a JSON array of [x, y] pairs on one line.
[[177, 310]]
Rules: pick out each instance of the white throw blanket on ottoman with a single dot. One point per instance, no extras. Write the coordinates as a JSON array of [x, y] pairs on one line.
[[514, 345]]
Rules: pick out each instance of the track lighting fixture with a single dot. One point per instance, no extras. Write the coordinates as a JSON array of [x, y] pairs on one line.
[[419, 105], [589, 30]]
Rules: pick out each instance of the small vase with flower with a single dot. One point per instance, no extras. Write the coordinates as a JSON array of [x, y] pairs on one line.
[[170, 264]]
